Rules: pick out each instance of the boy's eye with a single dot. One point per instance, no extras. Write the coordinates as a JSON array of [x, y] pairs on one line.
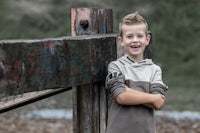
[[130, 36], [140, 36]]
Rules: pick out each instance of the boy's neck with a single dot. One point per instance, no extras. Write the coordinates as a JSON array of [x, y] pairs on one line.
[[136, 58]]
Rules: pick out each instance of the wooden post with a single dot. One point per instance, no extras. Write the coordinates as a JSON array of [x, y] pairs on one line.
[[90, 100]]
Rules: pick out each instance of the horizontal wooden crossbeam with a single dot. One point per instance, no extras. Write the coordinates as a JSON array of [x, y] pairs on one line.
[[35, 65]]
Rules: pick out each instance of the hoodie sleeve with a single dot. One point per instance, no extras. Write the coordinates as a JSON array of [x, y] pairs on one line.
[[157, 85], [115, 80]]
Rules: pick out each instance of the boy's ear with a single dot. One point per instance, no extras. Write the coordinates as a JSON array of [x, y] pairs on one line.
[[120, 40], [148, 39]]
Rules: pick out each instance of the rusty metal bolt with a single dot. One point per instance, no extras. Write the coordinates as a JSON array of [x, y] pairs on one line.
[[84, 24]]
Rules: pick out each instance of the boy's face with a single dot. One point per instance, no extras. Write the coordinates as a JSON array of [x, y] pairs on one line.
[[134, 39]]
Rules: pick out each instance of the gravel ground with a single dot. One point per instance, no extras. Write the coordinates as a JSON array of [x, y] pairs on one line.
[[13, 122], [165, 125], [10, 122]]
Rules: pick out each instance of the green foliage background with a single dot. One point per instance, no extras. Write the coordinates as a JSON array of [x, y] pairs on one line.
[[175, 25]]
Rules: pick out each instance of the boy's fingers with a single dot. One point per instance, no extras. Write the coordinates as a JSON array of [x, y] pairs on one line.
[[163, 97]]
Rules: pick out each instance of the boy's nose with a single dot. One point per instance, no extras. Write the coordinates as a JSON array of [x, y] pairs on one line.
[[135, 39]]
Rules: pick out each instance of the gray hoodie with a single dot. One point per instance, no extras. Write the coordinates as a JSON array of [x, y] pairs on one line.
[[144, 76]]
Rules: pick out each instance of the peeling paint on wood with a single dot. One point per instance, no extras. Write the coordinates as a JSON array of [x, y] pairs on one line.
[[27, 66]]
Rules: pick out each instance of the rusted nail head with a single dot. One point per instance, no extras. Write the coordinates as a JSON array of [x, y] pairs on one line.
[[84, 24]]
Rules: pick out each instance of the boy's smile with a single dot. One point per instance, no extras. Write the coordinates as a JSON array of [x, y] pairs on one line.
[[135, 47], [134, 39]]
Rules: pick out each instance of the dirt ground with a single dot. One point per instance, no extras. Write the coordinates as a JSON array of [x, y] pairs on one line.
[[11, 123], [165, 125]]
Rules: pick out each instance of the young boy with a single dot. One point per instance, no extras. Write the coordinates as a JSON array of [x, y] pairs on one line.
[[135, 83]]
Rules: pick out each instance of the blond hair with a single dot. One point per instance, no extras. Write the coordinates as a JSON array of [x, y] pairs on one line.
[[130, 19]]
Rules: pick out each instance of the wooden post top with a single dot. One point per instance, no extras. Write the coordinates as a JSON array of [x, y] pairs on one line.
[[89, 21]]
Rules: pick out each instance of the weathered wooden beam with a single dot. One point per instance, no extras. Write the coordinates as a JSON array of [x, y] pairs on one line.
[[13, 102], [35, 65]]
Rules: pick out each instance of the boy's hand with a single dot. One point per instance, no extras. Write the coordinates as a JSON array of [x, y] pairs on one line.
[[158, 101]]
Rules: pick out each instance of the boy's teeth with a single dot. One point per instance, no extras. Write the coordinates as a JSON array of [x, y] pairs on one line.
[[135, 46]]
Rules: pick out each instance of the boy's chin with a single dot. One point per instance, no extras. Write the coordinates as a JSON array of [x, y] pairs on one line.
[[136, 53]]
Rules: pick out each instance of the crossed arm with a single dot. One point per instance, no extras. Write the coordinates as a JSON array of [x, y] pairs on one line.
[[124, 95], [134, 97]]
